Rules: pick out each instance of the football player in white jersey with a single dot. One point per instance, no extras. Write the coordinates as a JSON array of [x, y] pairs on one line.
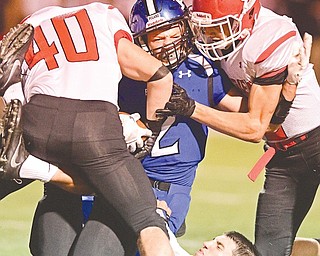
[[66, 124], [253, 45]]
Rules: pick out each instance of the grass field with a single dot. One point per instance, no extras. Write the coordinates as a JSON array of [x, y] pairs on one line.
[[223, 198]]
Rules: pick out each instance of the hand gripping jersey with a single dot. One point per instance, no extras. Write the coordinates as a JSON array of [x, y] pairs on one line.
[[69, 44], [263, 60], [181, 144]]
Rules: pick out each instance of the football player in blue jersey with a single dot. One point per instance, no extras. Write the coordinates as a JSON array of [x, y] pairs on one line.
[[161, 28]]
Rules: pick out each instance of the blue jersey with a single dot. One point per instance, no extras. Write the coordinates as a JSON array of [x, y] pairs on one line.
[[181, 144]]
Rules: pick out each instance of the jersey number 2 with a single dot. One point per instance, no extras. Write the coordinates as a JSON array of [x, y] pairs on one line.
[[157, 150]]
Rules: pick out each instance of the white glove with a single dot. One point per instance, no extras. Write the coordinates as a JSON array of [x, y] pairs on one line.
[[299, 60], [132, 132]]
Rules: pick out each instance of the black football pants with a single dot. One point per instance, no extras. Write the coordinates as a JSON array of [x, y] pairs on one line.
[[87, 137]]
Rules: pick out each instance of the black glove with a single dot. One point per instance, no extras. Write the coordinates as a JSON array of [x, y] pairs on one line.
[[155, 127], [178, 104]]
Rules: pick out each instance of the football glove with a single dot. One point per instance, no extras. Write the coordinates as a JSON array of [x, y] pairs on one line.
[[132, 132], [179, 103], [155, 127]]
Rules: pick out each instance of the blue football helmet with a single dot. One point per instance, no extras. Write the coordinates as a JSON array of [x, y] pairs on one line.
[[150, 15]]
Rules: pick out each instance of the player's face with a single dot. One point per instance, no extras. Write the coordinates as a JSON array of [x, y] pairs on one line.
[[164, 36], [212, 34], [165, 43], [219, 246]]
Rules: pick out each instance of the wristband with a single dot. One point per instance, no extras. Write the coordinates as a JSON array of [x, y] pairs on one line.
[[282, 110]]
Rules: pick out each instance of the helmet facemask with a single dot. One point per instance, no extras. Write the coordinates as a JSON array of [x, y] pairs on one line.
[[218, 38], [173, 53]]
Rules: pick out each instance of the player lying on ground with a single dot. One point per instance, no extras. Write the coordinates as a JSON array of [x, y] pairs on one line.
[[235, 244]]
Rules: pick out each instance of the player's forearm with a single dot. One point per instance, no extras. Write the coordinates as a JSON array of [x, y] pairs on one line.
[[70, 182], [233, 103], [158, 93], [289, 90], [239, 125], [135, 63]]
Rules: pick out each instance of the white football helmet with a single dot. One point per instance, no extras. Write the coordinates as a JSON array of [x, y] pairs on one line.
[[221, 27]]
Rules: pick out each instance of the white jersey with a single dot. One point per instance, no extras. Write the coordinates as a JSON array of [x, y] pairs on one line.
[[73, 53], [266, 54]]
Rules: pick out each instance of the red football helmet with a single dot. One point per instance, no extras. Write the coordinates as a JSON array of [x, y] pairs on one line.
[[222, 26]]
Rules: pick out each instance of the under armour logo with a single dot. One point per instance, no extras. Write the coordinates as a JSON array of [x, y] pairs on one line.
[[181, 74]]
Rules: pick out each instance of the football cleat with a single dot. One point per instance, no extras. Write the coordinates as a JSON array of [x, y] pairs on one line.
[[13, 152], [12, 51]]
